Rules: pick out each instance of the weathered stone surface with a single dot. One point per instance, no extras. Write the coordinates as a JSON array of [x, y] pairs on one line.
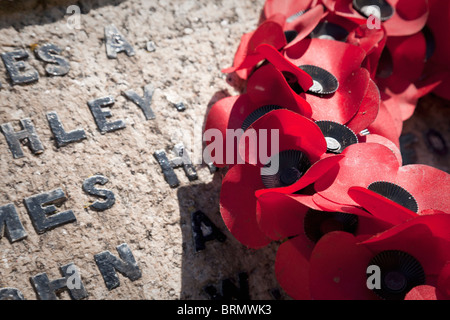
[[150, 216], [195, 40]]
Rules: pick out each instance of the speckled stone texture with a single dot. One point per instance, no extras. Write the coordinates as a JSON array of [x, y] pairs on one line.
[[180, 47]]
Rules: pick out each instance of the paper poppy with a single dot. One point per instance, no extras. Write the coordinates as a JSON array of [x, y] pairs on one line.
[[407, 185], [303, 24], [268, 32], [441, 291], [405, 256], [309, 19], [298, 218], [342, 85], [327, 97], [398, 202], [277, 31], [317, 164], [398, 17], [298, 162], [372, 41], [291, 9], [239, 112]]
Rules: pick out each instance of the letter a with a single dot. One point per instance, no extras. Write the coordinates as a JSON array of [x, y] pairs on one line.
[[374, 280]]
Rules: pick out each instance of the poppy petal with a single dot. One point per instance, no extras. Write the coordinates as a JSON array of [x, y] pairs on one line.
[[217, 122], [241, 52], [338, 268], [386, 125], [375, 138], [409, 18], [269, 32], [423, 292], [360, 167], [316, 171], [430, 186], [380, 207], [292, 267], [238, 205], [279, 216], [407, 100], [344, 9], [343, 61], [426, 238], [408, 62], [282, 64], [305, 24], [306, 200], [267, 80], [327, 205], [286, 7], [373, 41], [368, 111], [294, 132]]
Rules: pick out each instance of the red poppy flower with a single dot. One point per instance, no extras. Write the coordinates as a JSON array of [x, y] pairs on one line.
[[398, 17], [360, 167], [382, 180], [439, 292], [329, 99], [238, 112], [276, 31], [296, 216], [341, 83], [373, 42], [291, 9], [407, 255], [307, 18], [301, 161], [402, 205], [268, 32]]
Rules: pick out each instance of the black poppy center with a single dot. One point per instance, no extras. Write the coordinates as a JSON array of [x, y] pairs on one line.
[[395, 193], [289, 176], [337, 136], [368, 8], [330, 31], [290, 35], [324, 82], [395, 281], [319, 223], [400, 272], [258, 113], [284, 169]]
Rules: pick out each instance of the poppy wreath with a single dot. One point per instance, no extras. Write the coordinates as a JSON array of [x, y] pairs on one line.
[[335, 80]]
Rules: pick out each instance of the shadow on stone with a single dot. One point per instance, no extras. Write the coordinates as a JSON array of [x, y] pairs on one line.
[[215, 265], [22, 13]]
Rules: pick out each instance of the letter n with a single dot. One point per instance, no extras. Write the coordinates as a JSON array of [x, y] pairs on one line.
[[107, 263]]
